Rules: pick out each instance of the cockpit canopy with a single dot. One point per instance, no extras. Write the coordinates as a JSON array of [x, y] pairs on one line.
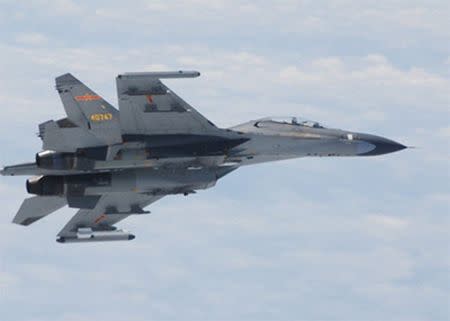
[[296, 121]]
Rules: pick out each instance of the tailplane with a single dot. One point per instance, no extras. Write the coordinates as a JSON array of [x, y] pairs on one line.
[[37, 207]]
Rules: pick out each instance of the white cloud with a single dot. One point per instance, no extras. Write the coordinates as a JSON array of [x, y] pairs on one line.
[[56, 7], [376, 78], [32, 38], [444, 132], [363, 237], [440, 197], [387, 222], [7, 282]]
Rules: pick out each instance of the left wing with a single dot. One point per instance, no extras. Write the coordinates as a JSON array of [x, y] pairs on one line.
[[148, 107], [96, 224]]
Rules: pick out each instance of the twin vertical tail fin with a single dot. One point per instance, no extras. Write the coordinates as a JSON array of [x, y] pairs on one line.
[[88, 110]]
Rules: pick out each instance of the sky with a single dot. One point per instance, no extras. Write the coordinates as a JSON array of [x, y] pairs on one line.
[[304, 239]]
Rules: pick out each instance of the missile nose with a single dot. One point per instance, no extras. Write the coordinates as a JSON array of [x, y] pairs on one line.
[[382, 145]]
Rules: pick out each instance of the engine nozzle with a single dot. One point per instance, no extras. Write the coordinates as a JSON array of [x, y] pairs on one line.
[[45, 185], [58, 161]]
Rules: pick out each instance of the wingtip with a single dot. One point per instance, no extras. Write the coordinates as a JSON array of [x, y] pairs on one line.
[[162, 74], [3, 171], [61, 239]]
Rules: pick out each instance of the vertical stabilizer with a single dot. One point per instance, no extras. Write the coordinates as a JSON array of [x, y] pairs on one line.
[[88, 110]]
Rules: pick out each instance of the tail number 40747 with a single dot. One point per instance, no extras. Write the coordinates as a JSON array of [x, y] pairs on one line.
[[101, 117]]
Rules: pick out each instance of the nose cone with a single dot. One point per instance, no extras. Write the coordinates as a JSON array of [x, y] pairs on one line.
[[382, 145]]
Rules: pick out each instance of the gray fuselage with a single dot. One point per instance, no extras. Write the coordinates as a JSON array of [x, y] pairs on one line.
[[173, 164]]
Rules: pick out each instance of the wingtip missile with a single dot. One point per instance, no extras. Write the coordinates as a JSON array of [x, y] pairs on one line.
[[163, 74], [85, 235]]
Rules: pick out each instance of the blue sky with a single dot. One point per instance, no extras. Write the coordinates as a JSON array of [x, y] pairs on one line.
[[305, 239]]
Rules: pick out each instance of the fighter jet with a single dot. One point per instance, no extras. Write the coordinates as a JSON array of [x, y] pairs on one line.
[[110, 164]]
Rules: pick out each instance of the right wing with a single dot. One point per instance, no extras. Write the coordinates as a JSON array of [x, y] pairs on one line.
[[148, 107], [96, 224]]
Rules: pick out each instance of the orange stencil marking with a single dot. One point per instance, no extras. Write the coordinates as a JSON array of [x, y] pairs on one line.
[[100, 218], [87, 97]]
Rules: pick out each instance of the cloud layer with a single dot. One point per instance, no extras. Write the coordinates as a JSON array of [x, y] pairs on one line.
[[309, 239]]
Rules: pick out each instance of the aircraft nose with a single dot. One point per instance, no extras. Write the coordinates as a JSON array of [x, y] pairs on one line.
[[382, 145]]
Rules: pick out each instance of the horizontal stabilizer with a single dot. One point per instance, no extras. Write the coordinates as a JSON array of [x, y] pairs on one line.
[[35, 208], [19, 169]]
